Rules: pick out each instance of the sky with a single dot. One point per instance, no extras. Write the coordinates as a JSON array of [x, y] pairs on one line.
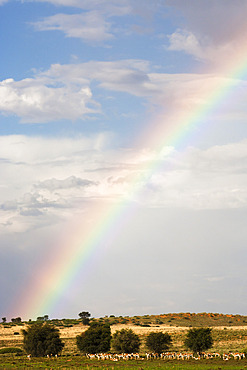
[[123, 157]]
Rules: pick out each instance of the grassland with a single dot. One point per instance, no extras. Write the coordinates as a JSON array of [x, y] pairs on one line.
[[81, 363], [229, 334]]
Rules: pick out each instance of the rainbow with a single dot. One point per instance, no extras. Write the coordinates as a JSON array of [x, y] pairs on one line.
[[84, 244]]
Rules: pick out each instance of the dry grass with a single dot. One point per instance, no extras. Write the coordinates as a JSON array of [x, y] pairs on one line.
[[140, 330], [226, 338]]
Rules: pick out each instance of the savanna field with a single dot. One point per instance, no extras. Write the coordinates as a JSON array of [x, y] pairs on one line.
[[229, 335]]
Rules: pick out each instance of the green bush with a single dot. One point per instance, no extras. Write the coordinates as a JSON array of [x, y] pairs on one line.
[[11, 350], [158, 342], [126, 341], [42, 339], [96, 339], [199, 339]]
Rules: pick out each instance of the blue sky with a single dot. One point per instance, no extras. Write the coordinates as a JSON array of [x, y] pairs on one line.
[[81, 82]]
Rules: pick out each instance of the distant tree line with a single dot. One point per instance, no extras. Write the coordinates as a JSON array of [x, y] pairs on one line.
[[18, 319], [43, 339], [98, 339]]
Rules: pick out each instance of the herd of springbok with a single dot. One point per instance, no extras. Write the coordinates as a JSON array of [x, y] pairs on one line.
[[167, 355]]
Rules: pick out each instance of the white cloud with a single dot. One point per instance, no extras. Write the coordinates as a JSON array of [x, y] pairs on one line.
[[27, 161], [45, 179], [67, 91], [21, 149], [38, 185], [135, 77], [93, 25], [186, 41], [98, 23], [90, 26], [202, 48], [215, 178], [34, 101]]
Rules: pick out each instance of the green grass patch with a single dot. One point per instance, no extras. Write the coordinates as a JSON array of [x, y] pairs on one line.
[[80, 362]]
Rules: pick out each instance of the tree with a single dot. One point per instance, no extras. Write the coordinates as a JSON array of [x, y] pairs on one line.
[[43, 318], [16, 319], [158, 342], [42, 339], [126, 341], [4, 319], [199, 339], [96, 339], [40, 318], [84, 315]]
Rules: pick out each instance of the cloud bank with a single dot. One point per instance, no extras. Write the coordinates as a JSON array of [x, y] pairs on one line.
[[66, 92], [69, 174]]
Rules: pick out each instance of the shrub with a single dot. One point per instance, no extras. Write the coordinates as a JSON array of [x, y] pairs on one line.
[[159, 322], [158, 342], [126, 341], [42, 339], [95, 339], [11, 350], [199, 339]]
